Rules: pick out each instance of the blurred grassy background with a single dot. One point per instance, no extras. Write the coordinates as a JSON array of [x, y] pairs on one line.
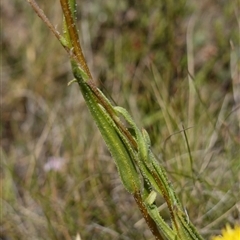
[[57, 176]]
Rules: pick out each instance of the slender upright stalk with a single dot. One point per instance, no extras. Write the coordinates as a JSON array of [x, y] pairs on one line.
[[139, 170]]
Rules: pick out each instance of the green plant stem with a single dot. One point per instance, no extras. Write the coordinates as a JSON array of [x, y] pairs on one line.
[[138, 169]]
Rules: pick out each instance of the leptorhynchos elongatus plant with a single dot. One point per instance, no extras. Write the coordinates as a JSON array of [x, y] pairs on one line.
[[141, 174]]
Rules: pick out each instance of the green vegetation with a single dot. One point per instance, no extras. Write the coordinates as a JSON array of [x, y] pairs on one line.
[[140, 53]]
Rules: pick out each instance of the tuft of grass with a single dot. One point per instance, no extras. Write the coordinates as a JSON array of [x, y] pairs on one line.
[[171, 65]]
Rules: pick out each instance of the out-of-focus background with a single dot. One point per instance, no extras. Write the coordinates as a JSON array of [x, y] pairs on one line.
[[173, 65]]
